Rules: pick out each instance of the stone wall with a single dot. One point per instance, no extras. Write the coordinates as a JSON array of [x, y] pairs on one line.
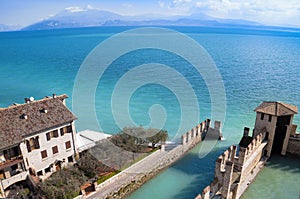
[[233, 172], [293, 147], [126, 181]]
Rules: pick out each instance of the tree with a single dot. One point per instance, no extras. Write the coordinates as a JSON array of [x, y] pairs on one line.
[[161, 136], [135, 139]]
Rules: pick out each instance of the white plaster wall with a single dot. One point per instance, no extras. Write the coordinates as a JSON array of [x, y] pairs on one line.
[[2, 158], [34, 157]]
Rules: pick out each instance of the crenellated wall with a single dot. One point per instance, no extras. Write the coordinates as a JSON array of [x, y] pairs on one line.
[[234, 170], [195, 135], [132, 178]]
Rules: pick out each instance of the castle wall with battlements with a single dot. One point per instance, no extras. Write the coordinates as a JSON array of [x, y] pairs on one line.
[[234, 167]]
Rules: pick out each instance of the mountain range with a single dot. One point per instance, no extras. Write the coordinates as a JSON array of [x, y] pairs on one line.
[[76, 17], [4, 27]]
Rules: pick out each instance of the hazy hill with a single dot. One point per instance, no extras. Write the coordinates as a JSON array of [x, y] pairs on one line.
[[4, 27], [77, 17]]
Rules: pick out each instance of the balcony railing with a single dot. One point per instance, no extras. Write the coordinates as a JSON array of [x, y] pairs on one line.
[[13, 179], [11, 162]]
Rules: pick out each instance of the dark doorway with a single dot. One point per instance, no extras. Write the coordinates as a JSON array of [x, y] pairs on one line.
[[280, 133], [58, 165]]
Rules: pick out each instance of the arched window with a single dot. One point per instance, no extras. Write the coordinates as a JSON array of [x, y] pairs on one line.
[[31, 142], [36, 142], [28, 146]]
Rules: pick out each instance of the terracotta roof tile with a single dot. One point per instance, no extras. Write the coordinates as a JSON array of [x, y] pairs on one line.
[[277, 108], [14, 127]]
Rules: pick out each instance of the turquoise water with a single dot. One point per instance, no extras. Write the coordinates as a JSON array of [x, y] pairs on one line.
[[254, 65]]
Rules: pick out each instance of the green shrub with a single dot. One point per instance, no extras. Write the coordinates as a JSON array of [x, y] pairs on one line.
[[105, 177]]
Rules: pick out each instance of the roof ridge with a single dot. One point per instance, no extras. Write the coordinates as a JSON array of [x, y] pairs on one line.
[[14, 105], [286, 105]]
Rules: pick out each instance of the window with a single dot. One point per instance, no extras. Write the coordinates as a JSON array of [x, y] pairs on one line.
[[44, 154], [55, 133], [52, 134], [262, 115], [40, 173], [31, 142], [28, 146], [66, 129], [69, 129], [68, 144], [48, 136], [270, 118], [36, 142], [62, 132], [70, 159], [48, 170], [54, 149]]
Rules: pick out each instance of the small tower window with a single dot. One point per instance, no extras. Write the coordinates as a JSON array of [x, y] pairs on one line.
[[262, 115], [270, 118]]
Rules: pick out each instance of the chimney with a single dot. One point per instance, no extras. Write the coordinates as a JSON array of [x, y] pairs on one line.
[[24, 116], [27, 100], [54, 95], [44, 110]]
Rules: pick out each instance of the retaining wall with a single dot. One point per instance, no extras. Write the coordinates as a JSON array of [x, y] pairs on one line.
[[159, 160]]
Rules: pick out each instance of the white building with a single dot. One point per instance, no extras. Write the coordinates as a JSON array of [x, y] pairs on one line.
[[87, 139], [36, 138]]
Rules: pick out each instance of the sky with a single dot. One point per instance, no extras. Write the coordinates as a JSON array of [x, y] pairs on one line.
[[267, 12]]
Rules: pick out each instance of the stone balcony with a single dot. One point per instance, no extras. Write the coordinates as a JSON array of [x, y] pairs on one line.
[[13, 179]]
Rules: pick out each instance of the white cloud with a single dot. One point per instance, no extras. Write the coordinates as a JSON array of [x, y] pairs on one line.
[[181, 1], [80, 9], [270, 12], [161, 4], [75, 9], [181, 7], [127, 5], [90, 7]]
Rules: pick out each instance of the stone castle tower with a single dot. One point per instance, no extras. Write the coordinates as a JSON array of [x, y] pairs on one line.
[[238, 166], [276, 118]]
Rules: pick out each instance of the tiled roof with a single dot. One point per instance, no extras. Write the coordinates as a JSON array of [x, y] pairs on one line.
[[21, 120], [277, 108]]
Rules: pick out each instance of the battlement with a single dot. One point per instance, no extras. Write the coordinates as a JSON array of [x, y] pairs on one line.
[[197, 132], [230, 164], [246, 152], [228, 155], [237, 167]]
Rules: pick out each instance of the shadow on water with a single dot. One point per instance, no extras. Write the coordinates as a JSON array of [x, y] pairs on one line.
[[185, 178], [272, 181], [203, 169], [285, 163], [200, 169]]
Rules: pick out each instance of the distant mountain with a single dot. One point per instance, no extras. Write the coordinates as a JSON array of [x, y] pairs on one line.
[[70, 19], [4, 27], [77, 17]]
